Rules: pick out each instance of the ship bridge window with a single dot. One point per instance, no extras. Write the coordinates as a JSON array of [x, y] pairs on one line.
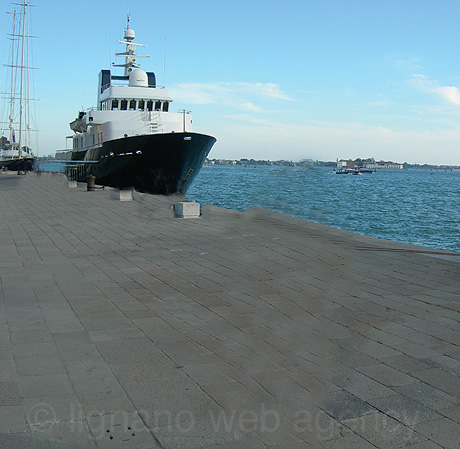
[[141, 105], [124, 105], [157, 105], [150, 105], [114, 105], [132, 105], [165, 106]]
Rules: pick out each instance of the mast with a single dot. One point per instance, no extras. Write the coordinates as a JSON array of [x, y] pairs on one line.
[[11, 117], [19, 96], [21, 88], [28, 125], [130, 53]]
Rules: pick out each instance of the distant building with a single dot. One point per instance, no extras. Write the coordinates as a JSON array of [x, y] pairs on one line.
[[369, 163], [346, 164], [387, 165]]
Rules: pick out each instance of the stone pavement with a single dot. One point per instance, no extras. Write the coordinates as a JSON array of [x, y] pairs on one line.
[[122, 326]]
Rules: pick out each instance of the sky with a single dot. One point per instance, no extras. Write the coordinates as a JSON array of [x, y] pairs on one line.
[[270, 79]]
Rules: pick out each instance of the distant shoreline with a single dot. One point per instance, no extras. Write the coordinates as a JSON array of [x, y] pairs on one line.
[[311, 163]]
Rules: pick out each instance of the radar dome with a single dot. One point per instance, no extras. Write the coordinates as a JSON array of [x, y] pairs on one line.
[[138, 78], [129, 34]]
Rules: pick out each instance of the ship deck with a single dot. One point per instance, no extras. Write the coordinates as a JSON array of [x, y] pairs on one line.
[[123, 326]]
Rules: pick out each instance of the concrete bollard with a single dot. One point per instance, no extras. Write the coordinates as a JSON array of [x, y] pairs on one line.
[[187, 209], [90, 182], [122, 194]]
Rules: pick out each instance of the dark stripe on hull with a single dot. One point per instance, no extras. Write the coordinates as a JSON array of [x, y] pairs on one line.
[[158, 163]]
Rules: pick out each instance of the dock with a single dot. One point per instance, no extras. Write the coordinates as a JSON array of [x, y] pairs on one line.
[[124, 326]]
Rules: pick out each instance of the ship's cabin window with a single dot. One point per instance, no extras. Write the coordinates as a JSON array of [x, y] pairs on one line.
[[114, 105], [165, 106], [132, 105], [150, 105], [157, 105], [141, 105], [124, 105]]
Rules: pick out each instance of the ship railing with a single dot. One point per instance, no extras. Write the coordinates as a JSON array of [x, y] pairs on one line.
[[77, 170], [155, 127], [123, 84]]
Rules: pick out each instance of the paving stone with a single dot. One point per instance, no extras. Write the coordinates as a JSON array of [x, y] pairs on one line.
[[427, 395], [47, 348], [12, 419], [440, 379], [423, 445], [386, 375], [342, 405], [37, 364], [122, 429], [42, 410], [63, 434], [28, 337], [349, 442], [362, 386], [383, 431], [234, 313], [405, 363], [446, 363], [443, 431], [10, 393], [404, 409], [45, 385], [68, 341], [453, 413]]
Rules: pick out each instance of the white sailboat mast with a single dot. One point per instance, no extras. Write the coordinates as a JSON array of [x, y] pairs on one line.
[[28, 124], [11, 117], [21, 89]]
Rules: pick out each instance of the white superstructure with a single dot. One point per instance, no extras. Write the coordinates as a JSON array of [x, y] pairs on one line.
[[128, 105]]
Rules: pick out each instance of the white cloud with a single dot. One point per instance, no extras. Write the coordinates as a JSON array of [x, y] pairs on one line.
[[328, 141], [251, 107], [269, 90], [450, 94], [244, 96]]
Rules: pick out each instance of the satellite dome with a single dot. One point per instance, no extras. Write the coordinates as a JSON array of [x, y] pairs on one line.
[[138, 78], [129, 34]]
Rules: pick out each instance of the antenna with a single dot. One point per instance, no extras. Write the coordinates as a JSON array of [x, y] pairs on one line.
[[164, 63]]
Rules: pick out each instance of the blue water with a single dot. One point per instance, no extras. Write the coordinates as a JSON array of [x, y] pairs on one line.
[[51, 167], [411, 206]]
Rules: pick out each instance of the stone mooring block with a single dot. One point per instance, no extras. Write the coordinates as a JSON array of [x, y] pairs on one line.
[[121, 195], [187, 209]]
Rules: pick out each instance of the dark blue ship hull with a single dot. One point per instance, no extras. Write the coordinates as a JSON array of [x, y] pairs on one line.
[[163, 163]]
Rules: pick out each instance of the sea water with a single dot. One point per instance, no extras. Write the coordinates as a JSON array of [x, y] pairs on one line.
[[420, 207]]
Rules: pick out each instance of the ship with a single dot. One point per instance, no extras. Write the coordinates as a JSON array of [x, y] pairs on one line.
[[16, 152], [132, 139]]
